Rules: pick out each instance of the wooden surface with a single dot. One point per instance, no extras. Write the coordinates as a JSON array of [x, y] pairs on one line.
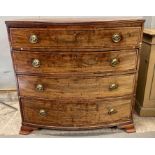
[[75, 63], [149, 31], [75, 72], [74, 37], [75, 87], [146, 81], [75, 113], [103, 21], [78, 19]]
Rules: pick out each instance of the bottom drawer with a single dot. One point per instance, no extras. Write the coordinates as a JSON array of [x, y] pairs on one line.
[[80, 113]]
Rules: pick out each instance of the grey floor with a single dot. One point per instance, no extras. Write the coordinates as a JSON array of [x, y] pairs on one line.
[[10, 122]]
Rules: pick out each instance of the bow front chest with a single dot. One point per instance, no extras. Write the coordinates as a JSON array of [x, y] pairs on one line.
[[76, 74]]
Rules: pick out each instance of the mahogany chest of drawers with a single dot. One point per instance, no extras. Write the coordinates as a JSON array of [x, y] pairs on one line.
[[76, 74]]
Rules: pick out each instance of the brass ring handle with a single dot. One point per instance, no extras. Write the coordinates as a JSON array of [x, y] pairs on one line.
[[113, 86], [112, 111], [114, 62], [116, 37], [39, 87], [33, 39], [42, 112], [36, 63]]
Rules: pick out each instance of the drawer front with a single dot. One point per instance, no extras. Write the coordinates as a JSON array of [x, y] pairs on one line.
[[75, 113], [75, 87], [75, 38], [72, 62]]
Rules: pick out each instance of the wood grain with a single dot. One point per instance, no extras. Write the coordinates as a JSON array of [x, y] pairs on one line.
[[74, 113], [75, 72], [89, 21], [73, 62], [75, 87], [74, 38]]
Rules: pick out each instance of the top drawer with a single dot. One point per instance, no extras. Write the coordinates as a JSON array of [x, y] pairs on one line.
[[103, 38]]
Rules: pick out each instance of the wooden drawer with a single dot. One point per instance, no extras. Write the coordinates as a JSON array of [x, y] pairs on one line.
[[24, 38], [75, 62], [75, 86], [76, 113]]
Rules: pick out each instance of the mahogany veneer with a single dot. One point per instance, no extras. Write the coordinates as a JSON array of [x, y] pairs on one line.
[[76, 74]]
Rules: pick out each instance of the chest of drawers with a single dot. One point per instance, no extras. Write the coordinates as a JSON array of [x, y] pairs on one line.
[[76, 74]]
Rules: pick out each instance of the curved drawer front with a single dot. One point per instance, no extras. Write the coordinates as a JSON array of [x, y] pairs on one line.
[[75, 62], [75, 113], [75, 87], [75, 38]]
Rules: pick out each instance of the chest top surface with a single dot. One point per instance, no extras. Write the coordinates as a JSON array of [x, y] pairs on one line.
[[104, 21]]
